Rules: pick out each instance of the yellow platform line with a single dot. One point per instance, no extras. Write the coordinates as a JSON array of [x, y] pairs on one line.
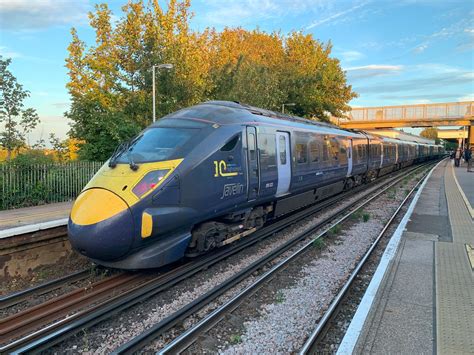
[[466, 201]]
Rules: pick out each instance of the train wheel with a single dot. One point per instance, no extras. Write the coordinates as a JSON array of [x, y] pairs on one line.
[[349, 184], [207, 236]]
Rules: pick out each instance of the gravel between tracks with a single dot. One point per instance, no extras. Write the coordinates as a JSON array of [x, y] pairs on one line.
[[283, 326], [110, 334], [70, 263]]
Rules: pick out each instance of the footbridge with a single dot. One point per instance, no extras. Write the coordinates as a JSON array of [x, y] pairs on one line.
[[425, 115]]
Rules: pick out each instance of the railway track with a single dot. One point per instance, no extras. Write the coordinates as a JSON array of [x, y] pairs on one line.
[[34, 318], [60, 329], [182, 342], [312, 343], [20, 296]]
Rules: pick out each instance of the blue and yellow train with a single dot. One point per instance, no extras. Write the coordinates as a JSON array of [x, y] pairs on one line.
[[208, 175]]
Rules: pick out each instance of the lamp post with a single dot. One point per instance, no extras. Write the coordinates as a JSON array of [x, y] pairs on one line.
[[158, 66], [283, 106]]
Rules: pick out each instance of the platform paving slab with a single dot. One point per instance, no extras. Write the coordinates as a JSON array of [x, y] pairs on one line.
[[34, 215], [402, 320], [425, 304], [455, 278]]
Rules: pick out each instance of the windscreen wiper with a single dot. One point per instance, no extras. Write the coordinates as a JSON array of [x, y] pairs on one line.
[[132, 164], [119, 150]]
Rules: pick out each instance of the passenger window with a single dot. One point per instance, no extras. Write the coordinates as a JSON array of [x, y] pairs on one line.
[[282, 145], [334, 148], [326, 147], [301, 153], [251, 144], [314, 151], [230, 145]]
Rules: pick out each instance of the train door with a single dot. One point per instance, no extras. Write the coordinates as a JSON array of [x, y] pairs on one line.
[[349, 157], [253, 173], [283, 162]]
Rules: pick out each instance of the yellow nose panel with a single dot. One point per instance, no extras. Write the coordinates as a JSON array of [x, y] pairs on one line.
[[96, 205]]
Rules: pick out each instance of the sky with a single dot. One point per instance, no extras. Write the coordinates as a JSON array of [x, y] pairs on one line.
[[394, 52]]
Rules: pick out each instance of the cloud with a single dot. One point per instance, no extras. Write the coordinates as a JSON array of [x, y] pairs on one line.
[[8, 53], [372, 70], [468, 97], [20, 15], [420, 84], [335, 16], [56, 124], [433, 96], [350, 56], [420, 49], [241, 12], [248, 12], [61, 105]]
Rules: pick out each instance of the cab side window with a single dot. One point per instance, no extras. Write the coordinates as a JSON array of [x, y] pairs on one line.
[[230, 145]]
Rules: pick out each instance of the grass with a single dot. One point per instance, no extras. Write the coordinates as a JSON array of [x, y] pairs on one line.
[[357, 215], [280, 297], [391, 193], [318, 243], [335, 230], [365, 217], [235, 339]]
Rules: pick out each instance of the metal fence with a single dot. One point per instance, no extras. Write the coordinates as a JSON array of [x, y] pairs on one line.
[[31, 185]]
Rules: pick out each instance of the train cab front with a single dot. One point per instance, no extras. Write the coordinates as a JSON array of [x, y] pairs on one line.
[[101, 225], [129, 216]]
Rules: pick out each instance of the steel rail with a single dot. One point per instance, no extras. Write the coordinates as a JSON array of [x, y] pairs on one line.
[[56, 332], [144, 338], [17, 297], [33, 318], [315, 336]]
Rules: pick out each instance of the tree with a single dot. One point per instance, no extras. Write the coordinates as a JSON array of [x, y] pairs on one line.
[[430, 133], [111, 80], [17, 121]]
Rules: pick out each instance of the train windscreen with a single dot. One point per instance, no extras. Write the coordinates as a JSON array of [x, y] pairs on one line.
[[157, 144]]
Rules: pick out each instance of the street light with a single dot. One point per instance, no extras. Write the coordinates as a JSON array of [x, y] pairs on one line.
[[283, 106], [158, 66]]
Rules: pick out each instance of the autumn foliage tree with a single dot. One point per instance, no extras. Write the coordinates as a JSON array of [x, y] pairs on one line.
[[111, 80]]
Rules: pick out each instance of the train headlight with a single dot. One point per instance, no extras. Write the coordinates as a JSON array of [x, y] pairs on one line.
[[149, 182]]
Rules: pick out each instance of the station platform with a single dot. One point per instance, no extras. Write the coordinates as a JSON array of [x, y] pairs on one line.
[[422, 300], [29, 219]]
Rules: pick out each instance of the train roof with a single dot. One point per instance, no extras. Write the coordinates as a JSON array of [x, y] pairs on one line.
[[229, 112]]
